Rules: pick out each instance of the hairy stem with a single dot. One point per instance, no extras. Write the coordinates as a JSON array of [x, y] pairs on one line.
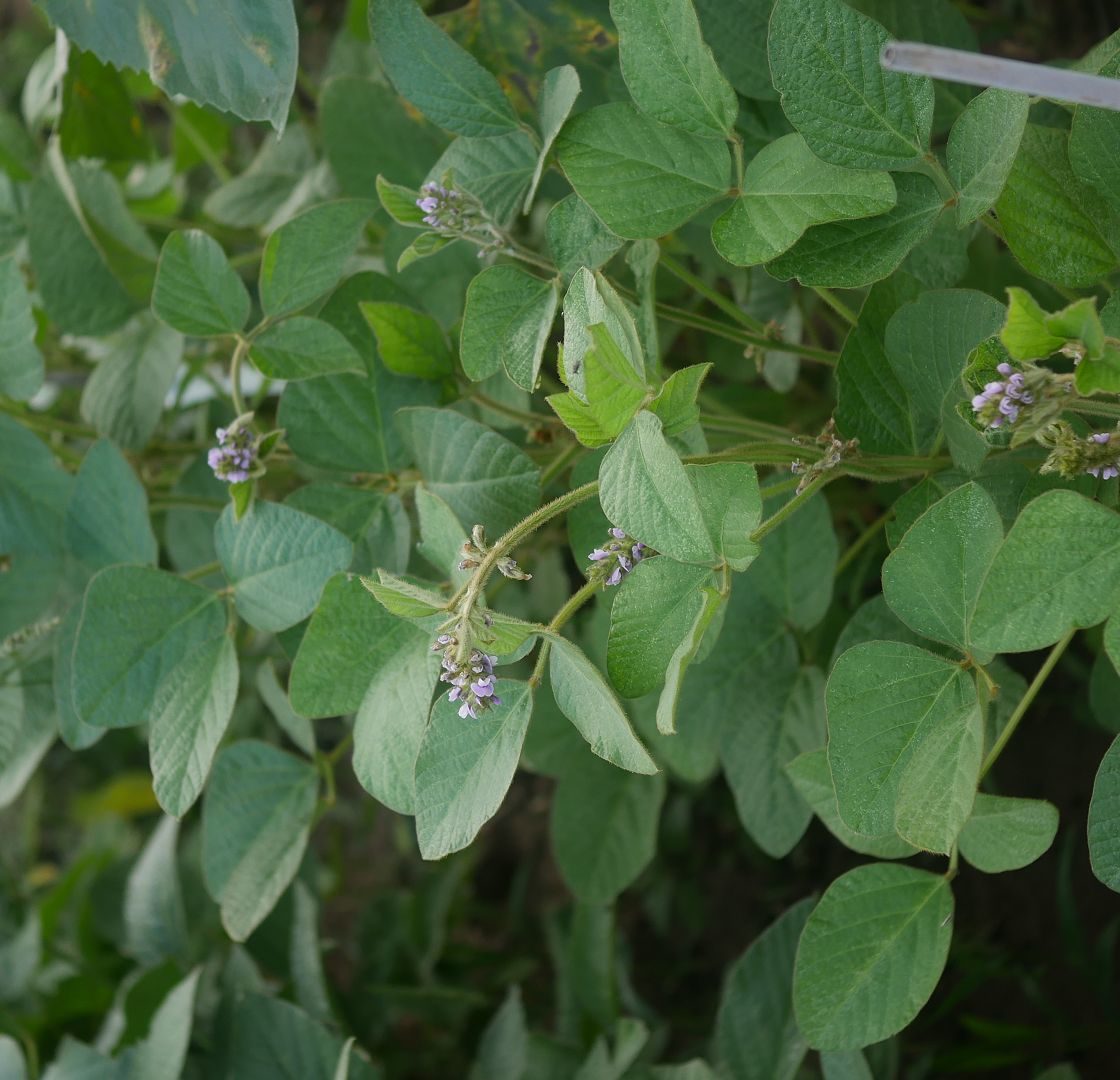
[[729, 307], [235, 375], [574, 602]]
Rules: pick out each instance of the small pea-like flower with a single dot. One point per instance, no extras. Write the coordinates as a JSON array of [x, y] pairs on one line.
[[445, 208], [235, 457], [1071, 455], [1003, 400], [472, 681], [620, 554], [1104, 470]]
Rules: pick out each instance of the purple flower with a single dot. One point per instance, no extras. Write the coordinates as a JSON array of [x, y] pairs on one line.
[[1002, 401], [444, 208], [617, 557], [1101, 437], [233, 459], [472, 681]]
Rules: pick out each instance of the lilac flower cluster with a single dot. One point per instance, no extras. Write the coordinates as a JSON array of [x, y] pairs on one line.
[[1001, 401], [472, 682], [618, 558], [1104, 471], [443, 207], [235, 455]]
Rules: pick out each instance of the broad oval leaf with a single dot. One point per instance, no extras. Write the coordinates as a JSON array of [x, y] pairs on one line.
[[21, 363], [1104, 819], [1007, 834], [982, 148], [196, 290], [301, 348]]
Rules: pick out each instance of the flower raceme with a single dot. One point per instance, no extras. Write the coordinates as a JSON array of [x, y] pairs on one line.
[[1001, 401], [235, 456], [614, 561], [472, 680]]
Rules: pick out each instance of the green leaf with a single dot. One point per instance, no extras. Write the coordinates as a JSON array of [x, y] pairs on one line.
[[441, 536], [787, 189], [21, 363], [393, 717], [438, 76], [278, 561], [163, 1053], [642, 178], [584, 698], [484, 478], [124, 394], [621, 811], [813, 780], [1057, 569], [783, 719], [982, 149], [1104, 819], [711, 608], [154, 917], [1059, 228], [824, 59], [496, 170], [465, 768], [797, 564], [615, 391], [871, 954], [669, 70], [27, 729], [256, 818], [737, 35], [932, 579], [1030, 333], [236, 56], [401, 597], [196, 290], [577, 238], [645, 490], [399, 202], [503, 1050], [275, 697], [34, 492], [350, 639], [654, 610], [107, 518], [675, 405], [848, 254], [507, 319], [1094, 141], [884, 699], [731, 505], [190, 714], [137, 624], [589, 301], [1007, 834], [301, 348], [306, 256], [756, 1034], [408, 341], [262, 192], [559, 90]]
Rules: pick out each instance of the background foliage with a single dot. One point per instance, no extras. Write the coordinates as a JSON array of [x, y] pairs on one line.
[[750, 805]]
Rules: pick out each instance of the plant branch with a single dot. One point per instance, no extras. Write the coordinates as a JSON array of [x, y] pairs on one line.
[[729, 307], [574, 602]]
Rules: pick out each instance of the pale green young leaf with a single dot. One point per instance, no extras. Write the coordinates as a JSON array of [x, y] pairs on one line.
[[507, 319], [196, 290], [621, 811], [871, 955], [559, 90], [982, 148], [107, 516], [675, 405], [1104, 819], [577, 238], [409, 342], [400, 597], [645, 490], [813, 780], [580, 420], [589, 301], [849, 254], [484, 478], [399, 202], [137, 624], [642, 178], [783, 719], [824, 59], [437, 75], [883, 699], [12, 1064], [756, 1035], [301, 348], [584, 697], [465, 767], [1059, 228], [392, 719], [931, 580], [350, 639], [278, 559], [21, 363], [155, 920], [190, 714], [1007, 834], [655, 608], [731, 506], [1057, 569], [787, 189], [306, 256], [669, 70], [256, 818]]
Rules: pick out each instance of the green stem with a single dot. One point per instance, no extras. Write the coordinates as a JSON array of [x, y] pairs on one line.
[[1092, 407], [40, 422], [795, 504], [574, 602], [202, 571], [862, 541], [1025, 703], [729, 307], [205, 150], [235, 375], [837, 305], [559, 463], [529, 419]]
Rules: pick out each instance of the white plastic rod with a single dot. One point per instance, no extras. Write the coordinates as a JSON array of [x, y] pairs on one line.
[[975, 69]]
